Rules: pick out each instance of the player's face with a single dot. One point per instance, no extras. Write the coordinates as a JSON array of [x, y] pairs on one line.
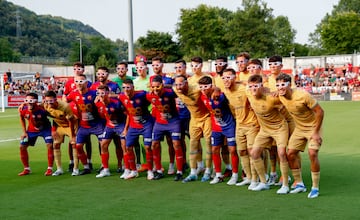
[[30, 101], [220, 65], [141, 69], [51, 101], [241, 62], [254, 88], [180, 69], [275, 67], [196, 67], [157, 66], [102, 93], [206, 89], [121, 70], [156, 87], [254, 69], [128, 89], [102, 75], [180, 84], [282, 87], [228, 79], [78, 70], [80, 82]]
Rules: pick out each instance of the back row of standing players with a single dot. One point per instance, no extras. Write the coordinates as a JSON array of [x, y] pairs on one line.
[[243, 111]]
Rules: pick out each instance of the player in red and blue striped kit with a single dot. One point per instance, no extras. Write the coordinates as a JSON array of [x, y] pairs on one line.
[[38, 125], [167, 122], [111, 109], [223, 126], [90, 121], [114, 89], [140, 123]]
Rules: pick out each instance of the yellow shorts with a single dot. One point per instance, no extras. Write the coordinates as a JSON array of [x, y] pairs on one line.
[[197, 130], [245, 136], [299, 139], [62, 132], [280, 136]]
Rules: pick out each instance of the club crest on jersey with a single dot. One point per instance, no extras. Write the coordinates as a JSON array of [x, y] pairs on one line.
[[166, 99], [112, 109], [89, 97], [38, 116], [137, 101]]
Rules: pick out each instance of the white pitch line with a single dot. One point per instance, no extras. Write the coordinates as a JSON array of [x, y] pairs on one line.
[[8, 140], [8, 116]]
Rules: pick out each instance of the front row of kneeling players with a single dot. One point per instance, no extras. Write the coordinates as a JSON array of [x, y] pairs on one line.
[[127, 116]]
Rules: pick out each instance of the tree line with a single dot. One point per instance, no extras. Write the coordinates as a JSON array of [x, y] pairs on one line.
[[204, 31]]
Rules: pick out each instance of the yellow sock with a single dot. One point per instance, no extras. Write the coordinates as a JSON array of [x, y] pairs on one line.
[[315, 177], [254, 175], [284, 168], [245, 163], [297, 175], [260, 169], [57, 157]]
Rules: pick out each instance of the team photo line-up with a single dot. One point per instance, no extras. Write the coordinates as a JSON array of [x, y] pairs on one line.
[[243, 116]]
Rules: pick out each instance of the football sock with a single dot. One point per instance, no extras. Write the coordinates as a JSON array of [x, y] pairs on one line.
[[284, 168], [245, 163], [57, 155], [235, 162], [24, 156], [315, 177], [260, 169]]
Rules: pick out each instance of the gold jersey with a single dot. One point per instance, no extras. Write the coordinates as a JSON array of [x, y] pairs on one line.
[[267, 113], [240, 106], [300, 107], [196, 107]]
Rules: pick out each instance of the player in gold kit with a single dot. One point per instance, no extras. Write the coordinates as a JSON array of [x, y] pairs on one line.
[[308, 116]]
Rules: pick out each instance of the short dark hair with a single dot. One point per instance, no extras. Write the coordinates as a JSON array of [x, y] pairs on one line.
[[32, 94], [157, 58], [181, 61], [128, 81], [158, 79], [205, 80], [255, 79], [123, 63], [255, 61], [105, 87], [197, 59], [79, 64], [50, 93], [283, 77], [224, 58], [181, 76], [103, 68], [275, 58], [233, 72]]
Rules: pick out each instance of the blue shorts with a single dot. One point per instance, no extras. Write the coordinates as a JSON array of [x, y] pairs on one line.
[[83, 134], [32, 137], [133, 134], [173, 129], [217, 138], [110, 133]]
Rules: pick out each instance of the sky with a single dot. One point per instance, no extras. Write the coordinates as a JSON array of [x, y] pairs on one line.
[[110, 17]]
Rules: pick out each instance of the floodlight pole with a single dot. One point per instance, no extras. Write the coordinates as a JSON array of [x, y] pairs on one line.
[[130, 43]]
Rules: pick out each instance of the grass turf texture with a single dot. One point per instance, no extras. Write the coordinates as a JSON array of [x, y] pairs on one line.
[[85, 197]]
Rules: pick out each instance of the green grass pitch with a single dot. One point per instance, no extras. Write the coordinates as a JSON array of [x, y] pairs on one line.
[[84, 197]]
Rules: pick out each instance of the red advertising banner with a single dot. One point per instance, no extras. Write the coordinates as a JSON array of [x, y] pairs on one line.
[[14, 101]]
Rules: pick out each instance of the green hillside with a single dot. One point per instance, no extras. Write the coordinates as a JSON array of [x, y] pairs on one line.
[[40, 35]]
